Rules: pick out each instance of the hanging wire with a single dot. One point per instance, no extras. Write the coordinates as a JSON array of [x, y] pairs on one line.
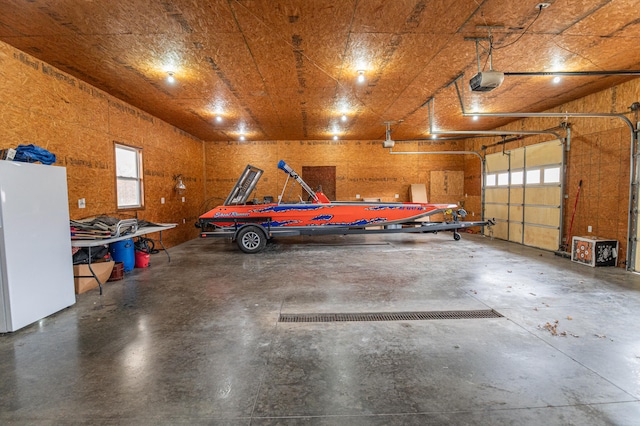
[[523, 33]]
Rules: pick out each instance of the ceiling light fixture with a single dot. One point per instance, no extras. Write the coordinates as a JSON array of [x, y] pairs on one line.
[[344, 117], [476, 118], [170, 78], [218, 119], [242, 137], [335, 137], [361, 77], [556, 79]]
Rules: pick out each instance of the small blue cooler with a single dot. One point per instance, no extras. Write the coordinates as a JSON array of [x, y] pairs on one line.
[[123, 251]]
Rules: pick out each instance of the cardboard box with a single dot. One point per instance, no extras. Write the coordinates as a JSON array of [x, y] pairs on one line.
[[84, 281], [594, 251]]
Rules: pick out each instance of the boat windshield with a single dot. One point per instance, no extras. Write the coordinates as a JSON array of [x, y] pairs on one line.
[[244, 186]]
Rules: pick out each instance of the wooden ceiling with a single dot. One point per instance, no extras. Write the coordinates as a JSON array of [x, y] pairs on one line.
[[287, 69]]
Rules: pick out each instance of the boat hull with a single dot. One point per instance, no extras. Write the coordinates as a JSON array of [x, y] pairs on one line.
[[316, 214]]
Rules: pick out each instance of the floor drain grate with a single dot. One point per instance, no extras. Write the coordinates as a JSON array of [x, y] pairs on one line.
[[391, 316]]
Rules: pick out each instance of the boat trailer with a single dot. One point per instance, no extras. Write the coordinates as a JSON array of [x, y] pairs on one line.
[[251, 231], [251, 235]]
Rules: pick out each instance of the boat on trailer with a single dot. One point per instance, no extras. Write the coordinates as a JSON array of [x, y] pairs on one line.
[[250, 224]]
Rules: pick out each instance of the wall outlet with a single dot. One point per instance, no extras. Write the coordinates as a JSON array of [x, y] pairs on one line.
[[162, 200], [589, 228], [357, 196], [397, 195], [184, 220], [183, 199], [82, 203]]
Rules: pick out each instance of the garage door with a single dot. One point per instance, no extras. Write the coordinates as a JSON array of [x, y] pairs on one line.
[[523, 192]]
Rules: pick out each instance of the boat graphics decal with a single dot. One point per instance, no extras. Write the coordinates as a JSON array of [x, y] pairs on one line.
[[391, 207], [290, 208], [281, 223], [323, 217]]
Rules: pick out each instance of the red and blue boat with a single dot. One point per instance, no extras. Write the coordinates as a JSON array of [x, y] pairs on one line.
[[319, 211], [251, 224]]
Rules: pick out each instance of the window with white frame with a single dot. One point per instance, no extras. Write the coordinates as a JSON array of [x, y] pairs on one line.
[[517, 177], [551, 175], [491, 180], [533, 177], [503, 179], [129, 177]]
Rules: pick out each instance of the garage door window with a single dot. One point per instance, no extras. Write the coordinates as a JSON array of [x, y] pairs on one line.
[[491, 180], [128, 177], [517, 178], [503, 179], [552, 175], [533, 177]]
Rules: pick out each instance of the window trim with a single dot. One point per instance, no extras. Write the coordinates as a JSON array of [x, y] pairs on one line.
[[551, 182], [503, 175], [517, 172], [140, 178], [534, 169]]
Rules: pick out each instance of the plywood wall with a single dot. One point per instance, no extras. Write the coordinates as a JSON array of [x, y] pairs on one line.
[[599, 155], [78, 123], [363, 168]]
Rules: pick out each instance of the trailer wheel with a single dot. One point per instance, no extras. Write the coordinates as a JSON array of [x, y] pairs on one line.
[[251, 239], [456, 236]]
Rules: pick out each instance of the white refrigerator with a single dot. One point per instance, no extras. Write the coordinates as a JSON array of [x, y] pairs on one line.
[[36, 270]]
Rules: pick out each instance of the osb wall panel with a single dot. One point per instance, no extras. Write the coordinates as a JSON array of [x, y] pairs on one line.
[[363, 168], [447, 186], [599, 156], [43, 106]]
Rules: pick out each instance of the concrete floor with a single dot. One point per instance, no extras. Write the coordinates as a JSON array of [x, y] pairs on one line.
[[196, 341]]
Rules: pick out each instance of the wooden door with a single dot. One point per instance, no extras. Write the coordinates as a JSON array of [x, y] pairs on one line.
[[321, 176]]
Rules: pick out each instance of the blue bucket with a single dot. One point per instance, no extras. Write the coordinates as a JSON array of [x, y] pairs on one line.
[[123, 251]]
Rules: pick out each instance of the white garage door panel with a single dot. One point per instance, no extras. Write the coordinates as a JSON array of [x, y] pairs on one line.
[[545, 238], [542, 216], [517, 159], [516, 214], [516, 195], [499, 162], [548, 196], [544, 154], [497, 211], [515, 233], [496, 195], [499, 230]]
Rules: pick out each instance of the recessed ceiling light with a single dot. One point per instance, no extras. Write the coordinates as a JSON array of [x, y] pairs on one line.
[[170, 78], [344, 117], [242, 137], [556, 79], [361, 77], [335, 137], [476, 118], [218, 119]]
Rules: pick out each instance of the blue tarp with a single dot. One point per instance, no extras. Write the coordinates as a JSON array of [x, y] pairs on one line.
[[31, 153]]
